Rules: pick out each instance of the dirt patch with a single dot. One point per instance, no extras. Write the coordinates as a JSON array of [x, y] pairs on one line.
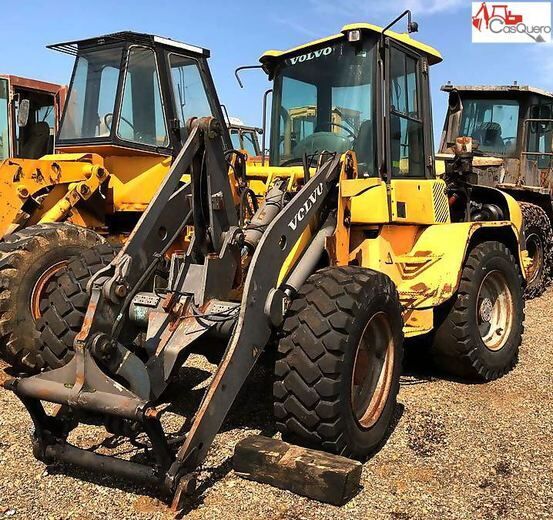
[[426, 432], [457, 451]]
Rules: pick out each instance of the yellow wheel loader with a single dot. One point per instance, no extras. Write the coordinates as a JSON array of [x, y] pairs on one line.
[[512, 129], [354, 245], [124, 122]]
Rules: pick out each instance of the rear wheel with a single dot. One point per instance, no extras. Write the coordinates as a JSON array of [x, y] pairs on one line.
[[65, 306], [29, 259], [479, 331], [339, 361], [539, 244]]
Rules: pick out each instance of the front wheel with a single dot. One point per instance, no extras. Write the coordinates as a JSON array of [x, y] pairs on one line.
[[29, 260], [479, 331], [339, 361], [65, 306]]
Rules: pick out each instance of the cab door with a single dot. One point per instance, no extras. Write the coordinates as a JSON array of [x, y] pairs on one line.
[[414, 193], [5, 138]]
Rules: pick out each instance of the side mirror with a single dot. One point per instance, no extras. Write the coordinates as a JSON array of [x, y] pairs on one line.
[[23, 112]]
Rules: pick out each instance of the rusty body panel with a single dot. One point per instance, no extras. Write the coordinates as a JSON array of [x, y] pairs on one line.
[[20, 86], [32, 84]]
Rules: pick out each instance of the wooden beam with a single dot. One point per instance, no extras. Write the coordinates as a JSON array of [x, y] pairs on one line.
[[314, 474]]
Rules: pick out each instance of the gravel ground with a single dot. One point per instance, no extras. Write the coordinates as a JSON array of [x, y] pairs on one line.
[[457, 451]]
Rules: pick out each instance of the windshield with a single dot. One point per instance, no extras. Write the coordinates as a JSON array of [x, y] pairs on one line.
[[4, 126], [492, 122], [91, 101], [323, 101]]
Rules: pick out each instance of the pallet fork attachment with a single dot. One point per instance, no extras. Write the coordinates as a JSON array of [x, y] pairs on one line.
[[109, 381]]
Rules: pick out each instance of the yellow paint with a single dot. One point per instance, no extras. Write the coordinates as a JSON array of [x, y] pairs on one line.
[[425, 262], [265, 172], [23, 179], [422, 252], [135, 180], [368, 200], [417, 322], [295, 253], [413, 201]]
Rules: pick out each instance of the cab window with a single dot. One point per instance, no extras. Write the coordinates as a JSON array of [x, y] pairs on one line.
[[91, 102], [491, 122], [4, 126], [249, 143], [142, 118], [243, 140], [540, 135], [406, 127], [189, 93]]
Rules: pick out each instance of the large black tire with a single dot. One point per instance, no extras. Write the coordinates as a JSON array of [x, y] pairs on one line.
[[65, 306], [539, 243], [28, 258], [317, 366], [477, 334]]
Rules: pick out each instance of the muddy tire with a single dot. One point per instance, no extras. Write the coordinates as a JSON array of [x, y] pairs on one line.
[[339, 362], [539, 243], [479, 331], [28, 259], [66, 304]]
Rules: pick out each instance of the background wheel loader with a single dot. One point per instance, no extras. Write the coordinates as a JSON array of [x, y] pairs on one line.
[[245, 137], [351, 248], [513, 126], [124, 122], [29, 116]]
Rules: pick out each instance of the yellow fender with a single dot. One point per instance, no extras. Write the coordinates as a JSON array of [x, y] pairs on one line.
[[430, 274]]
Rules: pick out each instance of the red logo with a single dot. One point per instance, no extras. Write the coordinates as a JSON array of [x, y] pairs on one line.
[[499, 12]]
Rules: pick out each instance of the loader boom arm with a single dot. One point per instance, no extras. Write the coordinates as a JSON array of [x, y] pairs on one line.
[[198, 282]]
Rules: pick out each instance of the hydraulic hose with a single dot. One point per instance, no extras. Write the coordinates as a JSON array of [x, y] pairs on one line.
[[274, 200]]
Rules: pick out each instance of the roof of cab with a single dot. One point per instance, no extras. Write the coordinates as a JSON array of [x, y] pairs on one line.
[[511, 89], [72, 47], [432, 54]]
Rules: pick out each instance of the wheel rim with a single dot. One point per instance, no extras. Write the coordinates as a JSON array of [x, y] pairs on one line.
[[494, 310], [372, 371], [534, 247], [40, 286]]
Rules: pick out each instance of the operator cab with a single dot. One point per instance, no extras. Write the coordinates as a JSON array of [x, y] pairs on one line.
[[329, 96], [29, 111], [245, 137], [508, 122], [133, 91]]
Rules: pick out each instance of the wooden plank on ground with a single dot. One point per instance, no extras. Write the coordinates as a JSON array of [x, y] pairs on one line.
[[311, 473]]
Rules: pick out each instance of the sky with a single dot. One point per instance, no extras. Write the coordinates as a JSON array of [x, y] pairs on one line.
[[239, 31]]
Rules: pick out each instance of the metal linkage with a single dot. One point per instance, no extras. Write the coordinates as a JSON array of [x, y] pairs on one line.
[[106, 379]]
